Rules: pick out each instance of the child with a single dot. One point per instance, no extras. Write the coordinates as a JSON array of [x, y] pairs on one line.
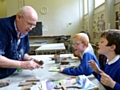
[[76, 54], [109, 45], [80, 44], [89, 45]]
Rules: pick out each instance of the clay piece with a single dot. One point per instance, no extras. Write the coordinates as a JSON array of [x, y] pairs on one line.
[[26, 83], [33, 80], [26, 88], [4, 82], [39, 62], [64, 87], [65, 63], [29, 83]]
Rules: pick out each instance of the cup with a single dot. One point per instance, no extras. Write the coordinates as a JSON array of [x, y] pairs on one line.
[[57, 58]]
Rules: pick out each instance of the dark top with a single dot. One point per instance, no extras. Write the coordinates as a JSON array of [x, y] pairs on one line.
[[8, 44]]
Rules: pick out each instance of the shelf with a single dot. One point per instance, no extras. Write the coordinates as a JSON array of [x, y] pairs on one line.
[[50, 36]]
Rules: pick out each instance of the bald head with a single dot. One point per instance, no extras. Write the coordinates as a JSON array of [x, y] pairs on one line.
[[26, 19], [28, 12]]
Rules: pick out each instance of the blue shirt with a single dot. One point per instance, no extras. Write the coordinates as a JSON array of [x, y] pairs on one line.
[[113, 70], [83, 67], [8, 44]]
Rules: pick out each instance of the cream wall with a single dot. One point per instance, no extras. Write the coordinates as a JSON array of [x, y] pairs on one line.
[[62, 16], [13, 6], [117, 1], [3, 12]]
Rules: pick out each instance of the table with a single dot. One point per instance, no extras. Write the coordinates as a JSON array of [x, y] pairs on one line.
[[41, 74], [51, 48], [33, 46]]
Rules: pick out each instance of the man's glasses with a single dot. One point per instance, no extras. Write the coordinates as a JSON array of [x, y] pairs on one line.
[[28, 23]]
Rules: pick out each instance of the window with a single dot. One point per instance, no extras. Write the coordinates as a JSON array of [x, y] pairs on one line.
[[98, 2], [85, 7]]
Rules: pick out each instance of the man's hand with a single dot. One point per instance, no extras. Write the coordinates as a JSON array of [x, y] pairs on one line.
[[29, 65], [107, 80]]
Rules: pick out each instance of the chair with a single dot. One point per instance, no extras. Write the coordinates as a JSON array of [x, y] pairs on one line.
[[102, 61]]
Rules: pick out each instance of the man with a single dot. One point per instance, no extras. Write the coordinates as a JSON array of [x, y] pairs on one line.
[[14, 41]]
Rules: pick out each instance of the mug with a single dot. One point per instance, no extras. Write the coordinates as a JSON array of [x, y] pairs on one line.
[[57, 59]]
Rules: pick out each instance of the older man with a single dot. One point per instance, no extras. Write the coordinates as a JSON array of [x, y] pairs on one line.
[[14, 41]]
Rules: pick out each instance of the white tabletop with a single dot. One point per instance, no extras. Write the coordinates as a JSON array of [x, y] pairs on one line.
[[51, 47], [35, 45], [42, 74]]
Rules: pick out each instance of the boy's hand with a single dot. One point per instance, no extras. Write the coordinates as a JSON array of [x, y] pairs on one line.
[[107, 80], [61, 69], [95, 67], [76, 54]]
